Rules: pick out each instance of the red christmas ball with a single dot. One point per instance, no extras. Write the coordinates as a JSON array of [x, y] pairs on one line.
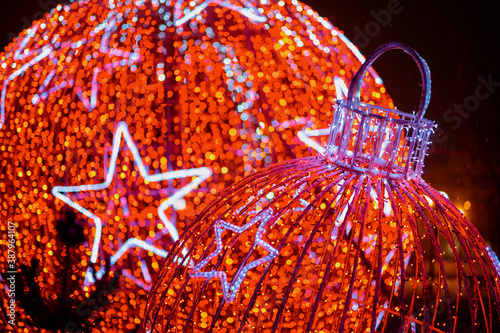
[[353, 240], [134, 113]]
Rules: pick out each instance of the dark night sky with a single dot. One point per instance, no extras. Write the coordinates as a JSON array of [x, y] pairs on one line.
[[460, 42]]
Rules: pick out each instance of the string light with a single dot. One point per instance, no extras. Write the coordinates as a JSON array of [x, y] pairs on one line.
[[246, 9], [231, 289], [494, 259]]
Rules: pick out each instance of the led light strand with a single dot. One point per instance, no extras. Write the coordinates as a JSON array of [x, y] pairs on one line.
[[353, 48], [109, 26], [61, 192], [231, 289], [246, 9], [494, 258], [388, 258]]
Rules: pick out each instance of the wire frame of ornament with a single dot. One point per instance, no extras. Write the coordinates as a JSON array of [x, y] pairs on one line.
[[350, 241], [132, 112]]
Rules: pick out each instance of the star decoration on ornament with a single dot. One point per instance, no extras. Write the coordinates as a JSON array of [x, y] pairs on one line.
[[58, 82], [246, 9], [61, 192], [230, 289]]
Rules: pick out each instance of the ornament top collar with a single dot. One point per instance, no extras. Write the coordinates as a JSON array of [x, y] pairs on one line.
[[380, 141]]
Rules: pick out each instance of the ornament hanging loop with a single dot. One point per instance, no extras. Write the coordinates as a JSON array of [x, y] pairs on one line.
[[354, 92], [379, 141]]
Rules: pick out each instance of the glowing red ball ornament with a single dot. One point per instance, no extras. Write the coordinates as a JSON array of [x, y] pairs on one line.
[[350, 241], [131, 112]]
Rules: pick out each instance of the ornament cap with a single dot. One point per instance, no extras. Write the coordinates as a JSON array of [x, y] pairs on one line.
[[376, 140]]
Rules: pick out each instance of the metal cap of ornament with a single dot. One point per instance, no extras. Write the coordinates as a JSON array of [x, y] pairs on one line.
[[377, 140], [352, 241]]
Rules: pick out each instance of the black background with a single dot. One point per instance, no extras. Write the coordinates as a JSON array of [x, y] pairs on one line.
[[459, 40]]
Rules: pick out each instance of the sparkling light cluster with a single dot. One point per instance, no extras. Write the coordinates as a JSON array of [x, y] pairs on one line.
[[223, 85], [494, 259], [363, 243]]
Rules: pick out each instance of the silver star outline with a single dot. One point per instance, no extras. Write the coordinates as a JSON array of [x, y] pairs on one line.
[[230, 290]]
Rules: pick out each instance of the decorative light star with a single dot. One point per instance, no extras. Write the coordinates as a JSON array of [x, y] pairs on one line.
[[246, 9], [60, 192], [127, 59], [22, 53], [109, 25], [231, 289]]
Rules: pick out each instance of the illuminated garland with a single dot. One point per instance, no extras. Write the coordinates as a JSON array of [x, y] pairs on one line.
[[247, 9]]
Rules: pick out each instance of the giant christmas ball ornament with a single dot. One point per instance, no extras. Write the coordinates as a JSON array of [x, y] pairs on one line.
[[130, 113], [352, 240]]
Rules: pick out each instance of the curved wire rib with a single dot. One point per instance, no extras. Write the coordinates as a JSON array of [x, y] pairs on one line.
[[343, 263]]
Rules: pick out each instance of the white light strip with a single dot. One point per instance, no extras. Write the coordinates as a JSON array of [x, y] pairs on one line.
[[250, 11], [200, 174], [306, 134], [340, 88], [145, 272], [230, 290], [358, 54]]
